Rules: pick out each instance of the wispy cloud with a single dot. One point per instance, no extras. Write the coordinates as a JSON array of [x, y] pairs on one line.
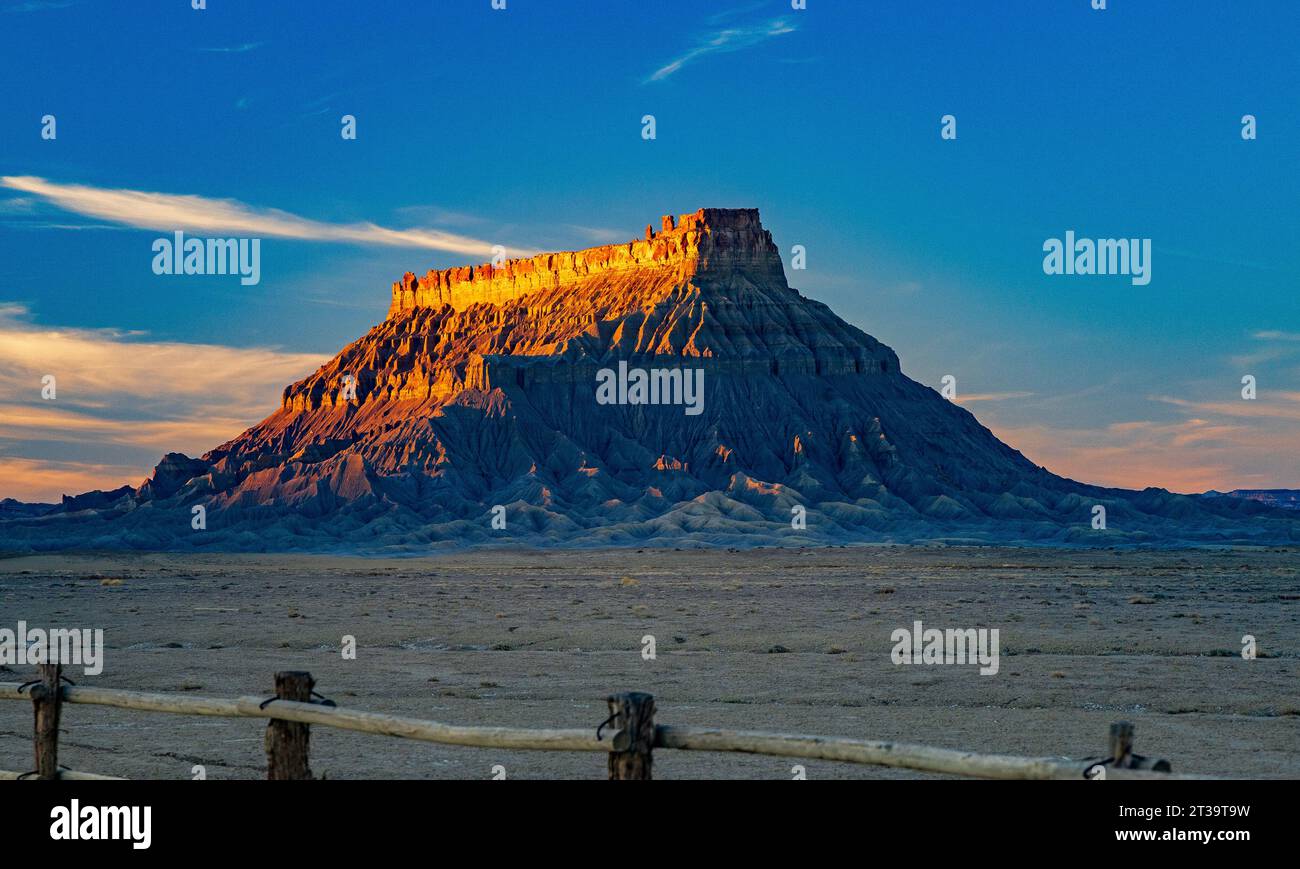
[[18, 205], [728, 14], [40, 5], [1275, 405], [1223, 261], [436, 214], [598, 234], [1219, 444], [1272, 346], [166, 212], [236, 49], [974, 397], [123, 393], [725, 40], [71, 227]]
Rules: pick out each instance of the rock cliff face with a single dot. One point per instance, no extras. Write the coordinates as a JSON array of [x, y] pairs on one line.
[[709, 287], [713, 241], [477, 397]]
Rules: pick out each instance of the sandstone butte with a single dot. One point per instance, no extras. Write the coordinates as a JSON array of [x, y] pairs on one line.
[[478, 389]]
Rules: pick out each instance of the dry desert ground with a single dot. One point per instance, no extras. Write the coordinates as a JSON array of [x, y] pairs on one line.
[[772, 639]]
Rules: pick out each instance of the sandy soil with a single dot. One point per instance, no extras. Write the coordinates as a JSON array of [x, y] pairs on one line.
[[539, 639]]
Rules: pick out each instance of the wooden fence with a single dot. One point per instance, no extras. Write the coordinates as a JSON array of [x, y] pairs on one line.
[[628, 736]]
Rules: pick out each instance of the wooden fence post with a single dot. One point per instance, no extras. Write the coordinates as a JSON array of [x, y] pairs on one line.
[[634, 735], [1121, 744], [47, 698], [288, 742], [1122, 755]]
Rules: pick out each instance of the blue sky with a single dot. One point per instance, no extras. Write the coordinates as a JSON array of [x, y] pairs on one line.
[[522, 127]]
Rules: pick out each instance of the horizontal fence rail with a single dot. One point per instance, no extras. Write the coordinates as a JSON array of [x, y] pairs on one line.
[[628, 738], [328, 716], [900, 755], [64, 774]]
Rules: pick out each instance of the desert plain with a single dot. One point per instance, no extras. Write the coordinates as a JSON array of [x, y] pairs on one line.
[[791, 640]]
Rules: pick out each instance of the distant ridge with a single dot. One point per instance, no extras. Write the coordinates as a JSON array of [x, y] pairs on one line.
[[475, 399], [1287, 499]]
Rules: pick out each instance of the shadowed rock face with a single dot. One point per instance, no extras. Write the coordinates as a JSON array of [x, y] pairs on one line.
[[479, 389]]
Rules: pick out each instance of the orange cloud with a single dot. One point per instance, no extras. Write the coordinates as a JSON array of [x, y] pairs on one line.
[[115, 389], [39, 481], [1192, 455]]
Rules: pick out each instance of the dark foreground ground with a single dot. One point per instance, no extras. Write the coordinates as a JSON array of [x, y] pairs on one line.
[[788, 640]]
